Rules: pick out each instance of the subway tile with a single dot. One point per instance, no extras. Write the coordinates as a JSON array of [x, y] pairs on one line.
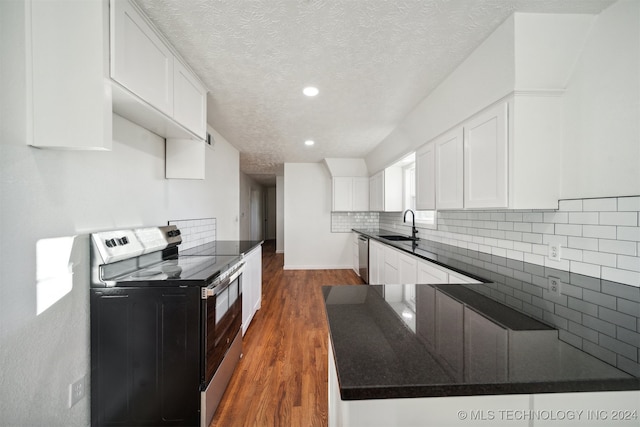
[[568, 313], [628, 366], [599, 231], [631, 293], [583, 243], [513, 235], [532, 311], [620, 319], [584, 218], [599, 299], [522, 247], [556, 217], [555, 320], [543, 228], [631, 308], [563, 264], [599, 258], [629, 233], [555, 239], [540, 249], [514, 216], [621, 247], [505, 226], [497, 216], [621, 276], [607, 356], [583, 306], [629, 337], [570, 205], [619, 347], [569, 229], [628, 204], [584, 268], [532, 217], [534, 259], [629, 262], [525, 227], [586, 333], [586, 282], [515, 255], [599, 325], [570, 338], [619, 218], [570, 290], [571, 254], [608, 204]]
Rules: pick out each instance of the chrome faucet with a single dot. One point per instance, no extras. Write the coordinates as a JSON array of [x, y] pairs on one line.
[[414, 230]]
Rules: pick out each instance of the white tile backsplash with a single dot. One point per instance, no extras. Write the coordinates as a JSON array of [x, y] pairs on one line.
[[195, 232], [599, 237]]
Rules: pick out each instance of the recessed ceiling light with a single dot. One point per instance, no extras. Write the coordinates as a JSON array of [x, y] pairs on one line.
[[309, 143], [310, 91]]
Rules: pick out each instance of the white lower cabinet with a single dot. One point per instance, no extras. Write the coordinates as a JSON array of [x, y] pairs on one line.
[[251, 286], [355, 253], [376, 262]]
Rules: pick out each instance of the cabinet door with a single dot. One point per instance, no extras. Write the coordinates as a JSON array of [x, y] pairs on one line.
[[392, 189], [189, 100], [460, 278], [140, 60], [449, 170], [426, 178], [376, 192], [68, 95], [407, 268], [391, 273], [342, 194], [360, 194], [485, 159], [429, 273], [485, 344]]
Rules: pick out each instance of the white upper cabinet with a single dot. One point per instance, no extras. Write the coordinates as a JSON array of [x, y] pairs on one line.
[[189, 100], [350, 194], [485, 159], [68, 95], [152, 86], [140, 60], [385, 190], [449, 170], [426, 177]]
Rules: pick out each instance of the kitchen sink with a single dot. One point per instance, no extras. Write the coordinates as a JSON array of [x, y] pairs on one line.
[[397, 238]]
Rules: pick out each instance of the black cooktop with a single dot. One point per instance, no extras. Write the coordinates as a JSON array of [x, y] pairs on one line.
[[182, 271]]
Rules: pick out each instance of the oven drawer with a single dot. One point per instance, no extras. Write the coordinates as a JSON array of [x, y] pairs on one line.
[[220, 337]]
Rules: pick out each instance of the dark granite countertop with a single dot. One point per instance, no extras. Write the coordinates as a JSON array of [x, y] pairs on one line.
[[223, 247], [507, 335]]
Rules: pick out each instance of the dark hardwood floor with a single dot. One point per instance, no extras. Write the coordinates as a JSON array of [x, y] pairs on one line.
[[282, 378]]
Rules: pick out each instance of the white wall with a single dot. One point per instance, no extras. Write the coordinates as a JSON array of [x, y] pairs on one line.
[[601, 153], [280, 214], [247, 185], [46, 194], [308, 241]]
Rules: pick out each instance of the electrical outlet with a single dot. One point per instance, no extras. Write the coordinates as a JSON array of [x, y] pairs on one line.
[[554, 251], [77, 390], [554, 285]]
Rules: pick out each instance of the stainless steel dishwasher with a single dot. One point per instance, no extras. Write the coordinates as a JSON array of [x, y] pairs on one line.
[[363, 257]]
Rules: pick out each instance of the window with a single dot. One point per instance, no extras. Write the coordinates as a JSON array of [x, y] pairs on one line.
[[409, 192]]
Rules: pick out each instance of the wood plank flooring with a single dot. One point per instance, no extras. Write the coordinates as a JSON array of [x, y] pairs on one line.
[[282, 378]]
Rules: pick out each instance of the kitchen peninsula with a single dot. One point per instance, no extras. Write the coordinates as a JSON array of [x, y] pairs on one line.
[[509, 350]]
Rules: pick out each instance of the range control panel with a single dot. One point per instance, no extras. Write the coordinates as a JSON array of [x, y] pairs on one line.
[[117, 245]]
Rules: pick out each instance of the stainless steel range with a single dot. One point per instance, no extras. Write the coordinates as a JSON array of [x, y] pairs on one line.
[[165, 329]]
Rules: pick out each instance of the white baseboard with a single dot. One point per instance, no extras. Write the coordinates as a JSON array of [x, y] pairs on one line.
[[317, 267]]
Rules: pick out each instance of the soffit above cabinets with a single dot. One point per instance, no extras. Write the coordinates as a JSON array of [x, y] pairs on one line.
[[373, 62]]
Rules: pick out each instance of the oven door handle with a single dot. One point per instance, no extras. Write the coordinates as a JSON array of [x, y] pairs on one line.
[[219, 286]]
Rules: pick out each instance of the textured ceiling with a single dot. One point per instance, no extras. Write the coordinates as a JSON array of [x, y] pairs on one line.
[[373, 61]]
